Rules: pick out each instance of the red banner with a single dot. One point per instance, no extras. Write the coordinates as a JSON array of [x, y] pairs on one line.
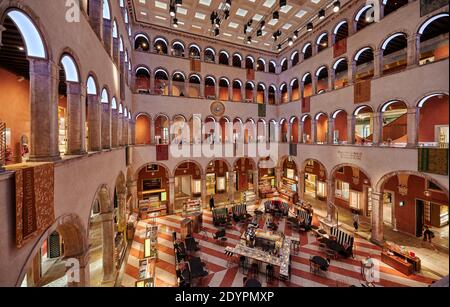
[[34, 202], [162, 152], [340, 47], [306, 104], [250, 74], [196, 65], [362, 91]]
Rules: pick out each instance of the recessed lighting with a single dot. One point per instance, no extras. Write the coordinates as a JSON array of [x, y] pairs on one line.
[[21, 48], [336, 6]]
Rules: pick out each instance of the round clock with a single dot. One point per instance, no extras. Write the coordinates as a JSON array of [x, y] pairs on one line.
[[217, 108]]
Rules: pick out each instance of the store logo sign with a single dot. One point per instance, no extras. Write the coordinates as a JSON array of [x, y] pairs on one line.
[[373, 14], [73, 270]]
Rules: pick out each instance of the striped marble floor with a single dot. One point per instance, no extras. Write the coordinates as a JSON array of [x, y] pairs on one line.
[[342, 273]]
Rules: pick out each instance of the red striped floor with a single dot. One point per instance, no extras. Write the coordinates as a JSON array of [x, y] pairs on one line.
[[341, 273]]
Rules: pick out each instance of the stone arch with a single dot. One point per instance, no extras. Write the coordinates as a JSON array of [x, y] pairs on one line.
[[380, 183]]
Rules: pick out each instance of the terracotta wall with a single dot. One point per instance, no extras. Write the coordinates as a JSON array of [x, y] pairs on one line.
[[434, 112], [406, 215], [15, 109], [340, 124]]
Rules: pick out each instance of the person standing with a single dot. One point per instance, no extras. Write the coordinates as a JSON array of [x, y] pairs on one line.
[[427, 234], [355, 220], [211, 203]]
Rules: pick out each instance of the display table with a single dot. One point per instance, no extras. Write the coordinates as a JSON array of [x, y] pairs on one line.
[[404, 257], [185, 228], [397, 263], [197, 221]]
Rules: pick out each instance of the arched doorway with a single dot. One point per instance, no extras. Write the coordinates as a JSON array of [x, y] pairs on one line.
[[237, 91], [434, 39], [394, 50], [284, 125], [315, 180], [433, 120], [142, 80], [188, 187], [224, 85], [289, 180], [244, 168], [307, 129], [340, 132], [351, 189], [210, 87], [153, 191], [321, 128], [410, 201], [267, 180], [161, 83], [218, 181], [142, 130], [162, 129], [340, 73], [364, 62], [178, 84], [194, 86]]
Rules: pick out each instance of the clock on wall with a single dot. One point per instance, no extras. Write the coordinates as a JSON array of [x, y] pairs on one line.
[[217, 108]]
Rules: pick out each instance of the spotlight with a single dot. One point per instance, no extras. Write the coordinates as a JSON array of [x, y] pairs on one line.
[[279, 47], [249, 40], [172, 11], [336, 6], [216, 32], [226, 14], [259, 33], [309, 27], [228, 4], [322, 14], [245, 29], [263, 25], [217, 22], [21, 48], [276, 15], [179, 2], [290, 42], [283, 3], [295, 34], [175, 22]]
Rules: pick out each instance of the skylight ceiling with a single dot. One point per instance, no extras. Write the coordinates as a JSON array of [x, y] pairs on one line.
[[194, 18]]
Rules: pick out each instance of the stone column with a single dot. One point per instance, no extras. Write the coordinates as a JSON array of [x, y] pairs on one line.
[[278, 175], [351, 120], [132, 191], [377, 236], [125, 132], [330, 131], [413, 51], [76, 111], [106, 126], [377, 128], [107, 35], [171, 204], [314, 85], [202, 90], [44, 78], [217, 91], [152, 132], [114, 128], [301, 184], [230, 92], [331, 210], [266, 96], [94, 123], [232, 186], [205, 199], [313, 131], [377, 63], [300, 132], [413, 126], [331, 78], [152, 85], [170, 92], [109, 262], [133, 132], [95, 16], [289, 88], [351, 70]]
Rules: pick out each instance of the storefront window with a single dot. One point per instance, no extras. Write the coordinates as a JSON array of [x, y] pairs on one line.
[[342, 190], [197, 187]]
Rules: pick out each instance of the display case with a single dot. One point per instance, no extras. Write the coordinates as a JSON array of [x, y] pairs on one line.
[[119, 249], [151, 241], [321, 190], [249, 197], [192, 206], [436, 214], [149, 209]]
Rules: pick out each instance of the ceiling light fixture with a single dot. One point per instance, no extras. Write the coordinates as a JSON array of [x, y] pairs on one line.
[[179, 2], [296, 34], [290, 42], [21, 48], [216, 32], [336, 6], [276, 15], [283, 3], [309, 27], [175, 22], [172, 11], [249, 40], [279, 47]]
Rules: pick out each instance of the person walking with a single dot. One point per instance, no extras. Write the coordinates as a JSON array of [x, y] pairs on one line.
[[355, 220], [427, 234], [211, 203]]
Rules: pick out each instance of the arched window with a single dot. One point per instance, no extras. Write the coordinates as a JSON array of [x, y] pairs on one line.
[[70, 69], [160, 45], [365, 16], [237, 60], [284, 93], [284, 64], [249, 92], [391, 6], [272, 94], [105, 96], [295, 58], [224, 58], [260, 93], [394, 130], [91, 86], [194, 86], [194, 51], [224, 85], [394, 50], [261, 65], [178, 80], [340, 68], [178, 49], [161, 82], [340, 32], [364, 59], [295, 90], [141, 43], [142, 80], [307, 85], [307, 51], [322, 79], [322, 42], [210, 55], [237, 91], [272, 67], [210, 87], [249, 62], [434, 39]]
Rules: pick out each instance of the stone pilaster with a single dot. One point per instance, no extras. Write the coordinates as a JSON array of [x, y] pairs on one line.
[[44, 79], [114, 128], [351, 120], [413, 126], [107, 35], [377, 218], [76, 111], [95, 16], [94, 123], [106, 126]]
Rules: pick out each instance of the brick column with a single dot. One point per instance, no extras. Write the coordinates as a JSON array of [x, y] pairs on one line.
[[120, 129], [106, 126], [76, 109], [44, 78], [413, 51], [330, 131], [94, 123], [351, 70]]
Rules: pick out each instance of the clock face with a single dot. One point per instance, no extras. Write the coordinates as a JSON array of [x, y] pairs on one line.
[[217, 108]]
